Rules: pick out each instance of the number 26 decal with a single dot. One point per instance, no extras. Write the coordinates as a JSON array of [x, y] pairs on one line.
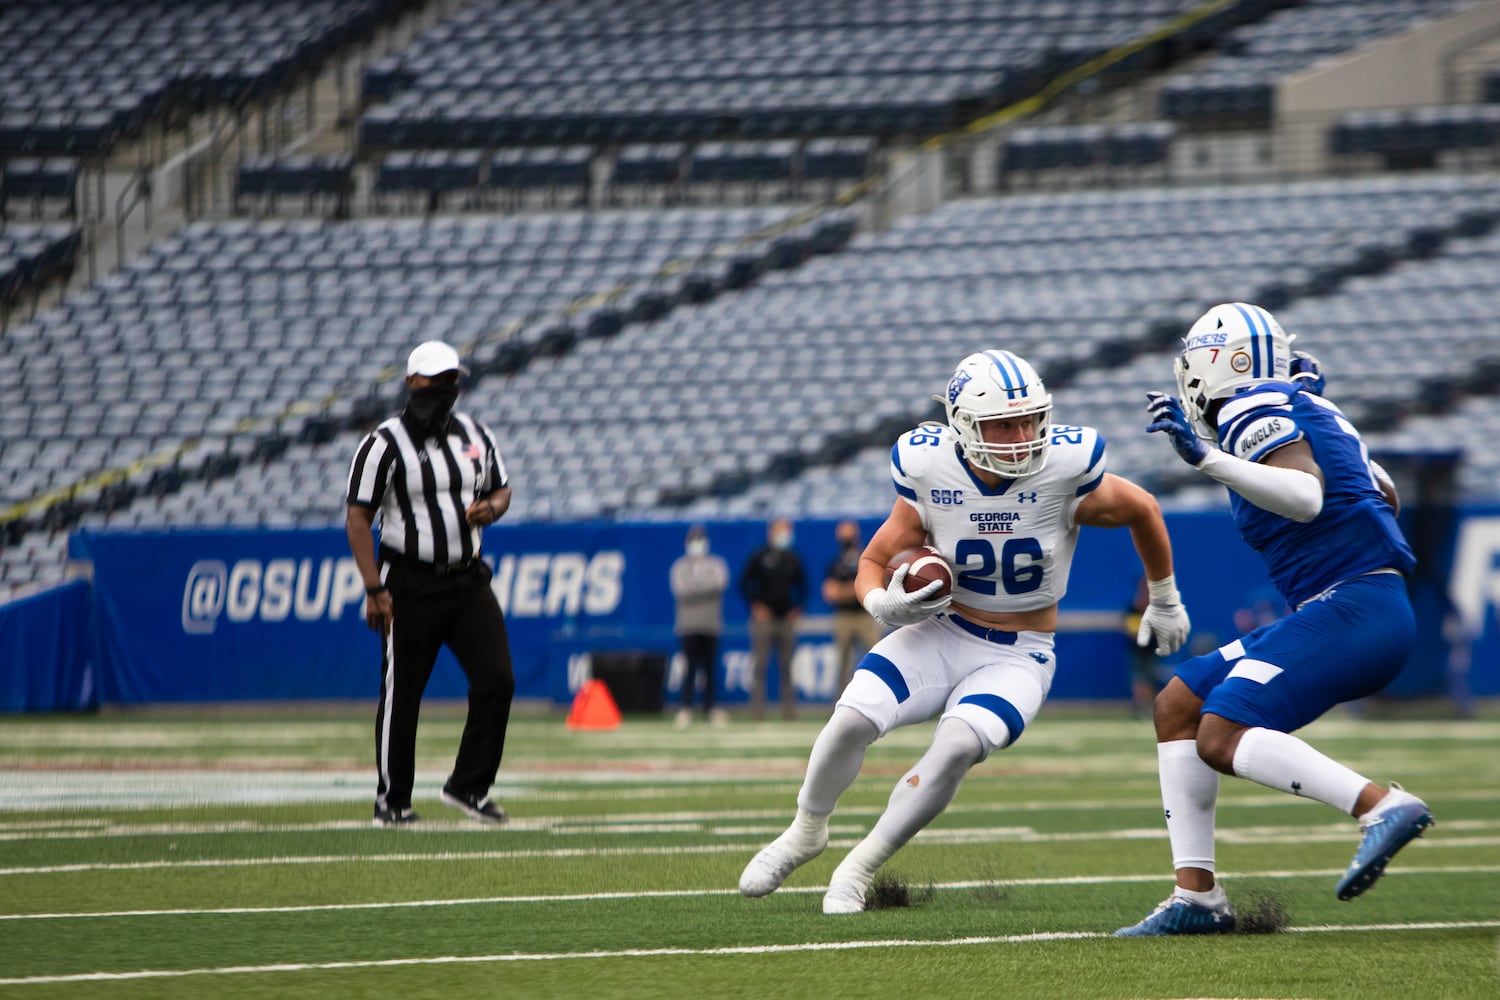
[[1020, 563]]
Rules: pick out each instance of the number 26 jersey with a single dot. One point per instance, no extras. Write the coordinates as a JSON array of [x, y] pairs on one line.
[[1011, 546]]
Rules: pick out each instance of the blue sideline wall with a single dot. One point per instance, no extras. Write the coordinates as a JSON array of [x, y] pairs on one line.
[[212, 616]]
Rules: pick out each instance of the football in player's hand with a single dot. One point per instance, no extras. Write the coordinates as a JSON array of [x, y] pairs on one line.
[[926, 565]]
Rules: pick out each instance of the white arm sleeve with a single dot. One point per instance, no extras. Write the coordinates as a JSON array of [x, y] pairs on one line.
[[1289, 492]]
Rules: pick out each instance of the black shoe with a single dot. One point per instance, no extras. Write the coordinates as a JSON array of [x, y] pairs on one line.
[[476, 807], [386, 816]]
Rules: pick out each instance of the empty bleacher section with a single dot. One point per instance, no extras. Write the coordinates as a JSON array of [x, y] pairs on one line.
[[721, 406], [1096, 290], [221, 331], [231, 369], [603, 71], [1415, 137], [30, 256], [1238, 83], [82, 75]]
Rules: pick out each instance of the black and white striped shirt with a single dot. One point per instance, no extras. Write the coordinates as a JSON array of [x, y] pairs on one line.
[[421, 486]]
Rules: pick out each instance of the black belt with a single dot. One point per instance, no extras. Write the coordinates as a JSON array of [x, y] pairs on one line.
[[998, 636], [390, 555]]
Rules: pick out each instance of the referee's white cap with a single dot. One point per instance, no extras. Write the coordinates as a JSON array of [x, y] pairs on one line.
[[434, 357]]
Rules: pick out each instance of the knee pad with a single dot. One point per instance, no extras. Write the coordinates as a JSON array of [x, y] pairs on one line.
[[872, 699]]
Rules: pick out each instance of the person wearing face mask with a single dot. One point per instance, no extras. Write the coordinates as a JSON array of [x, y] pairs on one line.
[[699, 579], [436, 479], [774, 585], [853, 628]]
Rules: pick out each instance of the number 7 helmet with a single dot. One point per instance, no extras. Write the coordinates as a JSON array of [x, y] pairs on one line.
[[1231, 347], [989, 385]]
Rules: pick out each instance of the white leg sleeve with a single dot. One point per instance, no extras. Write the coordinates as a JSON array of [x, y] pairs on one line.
[[925, 790], [1285, 763], [1189, 795], [920, 795], [837, 755]]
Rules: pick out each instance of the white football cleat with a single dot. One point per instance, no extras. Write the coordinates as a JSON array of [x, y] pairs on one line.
[[844, 897], [778, 859]]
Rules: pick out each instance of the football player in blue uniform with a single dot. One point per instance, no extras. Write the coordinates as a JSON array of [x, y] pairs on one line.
[[1306, 496], [1001, 492]]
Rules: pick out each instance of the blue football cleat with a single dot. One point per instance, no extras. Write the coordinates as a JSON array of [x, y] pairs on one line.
[[1395, 826], [1182, 916]]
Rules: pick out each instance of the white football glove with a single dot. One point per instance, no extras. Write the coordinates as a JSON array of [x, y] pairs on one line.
[[1165, 618], [892, 605]]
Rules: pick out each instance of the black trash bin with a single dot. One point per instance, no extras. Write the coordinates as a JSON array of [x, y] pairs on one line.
[[636, 679]]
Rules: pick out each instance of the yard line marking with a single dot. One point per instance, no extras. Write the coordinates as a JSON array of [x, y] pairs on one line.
[[762, 949], [585, 897], [998, 835], [686, 821]]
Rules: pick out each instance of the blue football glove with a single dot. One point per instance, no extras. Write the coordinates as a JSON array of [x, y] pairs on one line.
[[1306, 370], [1167, 415]]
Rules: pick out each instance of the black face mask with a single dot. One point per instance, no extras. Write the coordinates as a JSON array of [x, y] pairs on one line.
[[430, 405], [848, 543]]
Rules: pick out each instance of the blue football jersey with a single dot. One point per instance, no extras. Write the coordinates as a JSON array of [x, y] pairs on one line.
[[1354, 533], [1011, 546]]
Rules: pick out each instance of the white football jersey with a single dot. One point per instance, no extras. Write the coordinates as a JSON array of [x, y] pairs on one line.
[[1012, 546]]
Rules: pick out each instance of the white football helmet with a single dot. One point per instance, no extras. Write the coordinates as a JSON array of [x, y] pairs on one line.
[[992, 384], [1231, 347]]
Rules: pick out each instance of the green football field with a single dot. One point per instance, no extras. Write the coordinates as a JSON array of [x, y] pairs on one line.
[[228, 852]]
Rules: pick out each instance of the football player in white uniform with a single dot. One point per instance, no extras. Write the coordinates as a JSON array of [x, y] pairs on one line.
[[1001, 492]]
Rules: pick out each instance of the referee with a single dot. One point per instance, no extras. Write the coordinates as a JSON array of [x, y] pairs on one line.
[[436, 478]]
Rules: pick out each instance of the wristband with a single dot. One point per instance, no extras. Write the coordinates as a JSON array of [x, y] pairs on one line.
[[872, 600], [1164, 591], [379, 588]]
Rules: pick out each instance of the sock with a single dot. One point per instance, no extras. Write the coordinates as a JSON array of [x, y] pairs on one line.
[[808, 826], [1215, 898], [837, 755], [863, 861], [1189, 793], [1282, 761], [1394, 795]]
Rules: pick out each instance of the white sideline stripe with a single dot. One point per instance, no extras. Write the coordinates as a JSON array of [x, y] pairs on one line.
[[679, 822], [588, 897], [762, 949], [928, 837]]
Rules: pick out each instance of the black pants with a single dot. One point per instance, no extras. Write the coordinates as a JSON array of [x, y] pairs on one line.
[[701, 651], [458, 610]]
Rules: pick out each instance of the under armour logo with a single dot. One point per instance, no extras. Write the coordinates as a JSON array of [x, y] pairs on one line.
[[1167, 813], [1039, 657], [1297, 787], [1024, 497]]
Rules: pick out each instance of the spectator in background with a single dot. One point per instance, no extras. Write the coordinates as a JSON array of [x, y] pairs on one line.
[[699, 579], [854, 631], [774, 585]]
